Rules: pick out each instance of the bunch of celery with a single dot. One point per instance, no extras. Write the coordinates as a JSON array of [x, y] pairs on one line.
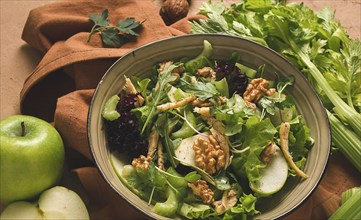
[[317, 44], [350, 205]]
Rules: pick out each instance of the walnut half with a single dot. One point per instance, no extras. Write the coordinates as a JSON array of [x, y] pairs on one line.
[[256, 89], [142, 162], [201, 189], [208, 155]]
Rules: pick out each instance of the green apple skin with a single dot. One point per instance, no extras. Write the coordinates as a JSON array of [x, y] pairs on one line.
[[31, 163]]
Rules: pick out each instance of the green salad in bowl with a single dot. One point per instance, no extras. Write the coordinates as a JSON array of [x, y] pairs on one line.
[[204, 137]]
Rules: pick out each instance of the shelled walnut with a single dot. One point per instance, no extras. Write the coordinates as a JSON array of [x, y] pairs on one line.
[[174, 10], [141, 162], [207, 72], [201, 189], [256, 89], [208, 155]]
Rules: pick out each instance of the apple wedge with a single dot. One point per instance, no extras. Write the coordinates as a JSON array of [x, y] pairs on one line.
[[273, 176], [185, 152], [21, 210], [55, 203], [62, 203]]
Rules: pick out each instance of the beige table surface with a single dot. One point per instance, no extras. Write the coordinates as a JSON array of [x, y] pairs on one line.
[[19, 59]]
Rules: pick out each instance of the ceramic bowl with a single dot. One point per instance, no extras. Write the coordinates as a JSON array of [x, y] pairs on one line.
[[140, 61]]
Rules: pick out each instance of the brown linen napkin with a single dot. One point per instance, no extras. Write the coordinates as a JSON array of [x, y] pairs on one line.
[[61, 31], [61, 87]]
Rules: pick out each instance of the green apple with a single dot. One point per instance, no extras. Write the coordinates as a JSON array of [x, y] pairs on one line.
[[273, 176], [21, 210], [185, 151], [31, 157], [55, 203]]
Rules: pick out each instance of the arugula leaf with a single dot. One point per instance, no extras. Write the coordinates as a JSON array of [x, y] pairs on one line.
[[148, 112], [169, 147], [113, 36], [192, 176]]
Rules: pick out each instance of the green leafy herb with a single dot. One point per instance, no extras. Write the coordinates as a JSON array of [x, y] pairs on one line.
[[169, 146], [148, 112], [192, 176], [202, 90], [113, 36], [314, 42]]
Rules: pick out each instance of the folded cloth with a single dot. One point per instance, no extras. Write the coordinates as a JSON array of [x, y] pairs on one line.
[[61, 87]]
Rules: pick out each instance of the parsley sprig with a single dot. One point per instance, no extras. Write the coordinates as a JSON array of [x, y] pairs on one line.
[[113, 36]]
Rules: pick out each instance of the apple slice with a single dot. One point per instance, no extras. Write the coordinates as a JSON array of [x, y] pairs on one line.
[[273, 177], [185, 152], [62, 203], [55, 203], [21, 210]]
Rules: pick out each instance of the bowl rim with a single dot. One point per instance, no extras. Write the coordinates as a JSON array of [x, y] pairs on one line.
[[174, 38]]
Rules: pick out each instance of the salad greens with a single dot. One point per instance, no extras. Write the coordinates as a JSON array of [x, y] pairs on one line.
[[317, 44], [209, 146]]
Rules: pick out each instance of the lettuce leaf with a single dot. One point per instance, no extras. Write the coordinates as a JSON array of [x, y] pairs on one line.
[[256, 135], [247, 206], [195, 211], [316, 43]]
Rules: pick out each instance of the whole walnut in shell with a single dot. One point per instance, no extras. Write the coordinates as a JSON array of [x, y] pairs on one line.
[[174, 10]]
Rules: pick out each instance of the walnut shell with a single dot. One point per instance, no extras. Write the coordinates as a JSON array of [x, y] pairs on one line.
[[174, 10]]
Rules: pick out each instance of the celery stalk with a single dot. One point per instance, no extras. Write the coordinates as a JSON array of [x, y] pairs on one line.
[[351, 209], [109, 112], [349, 193], [345, 140], [348, 113]]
